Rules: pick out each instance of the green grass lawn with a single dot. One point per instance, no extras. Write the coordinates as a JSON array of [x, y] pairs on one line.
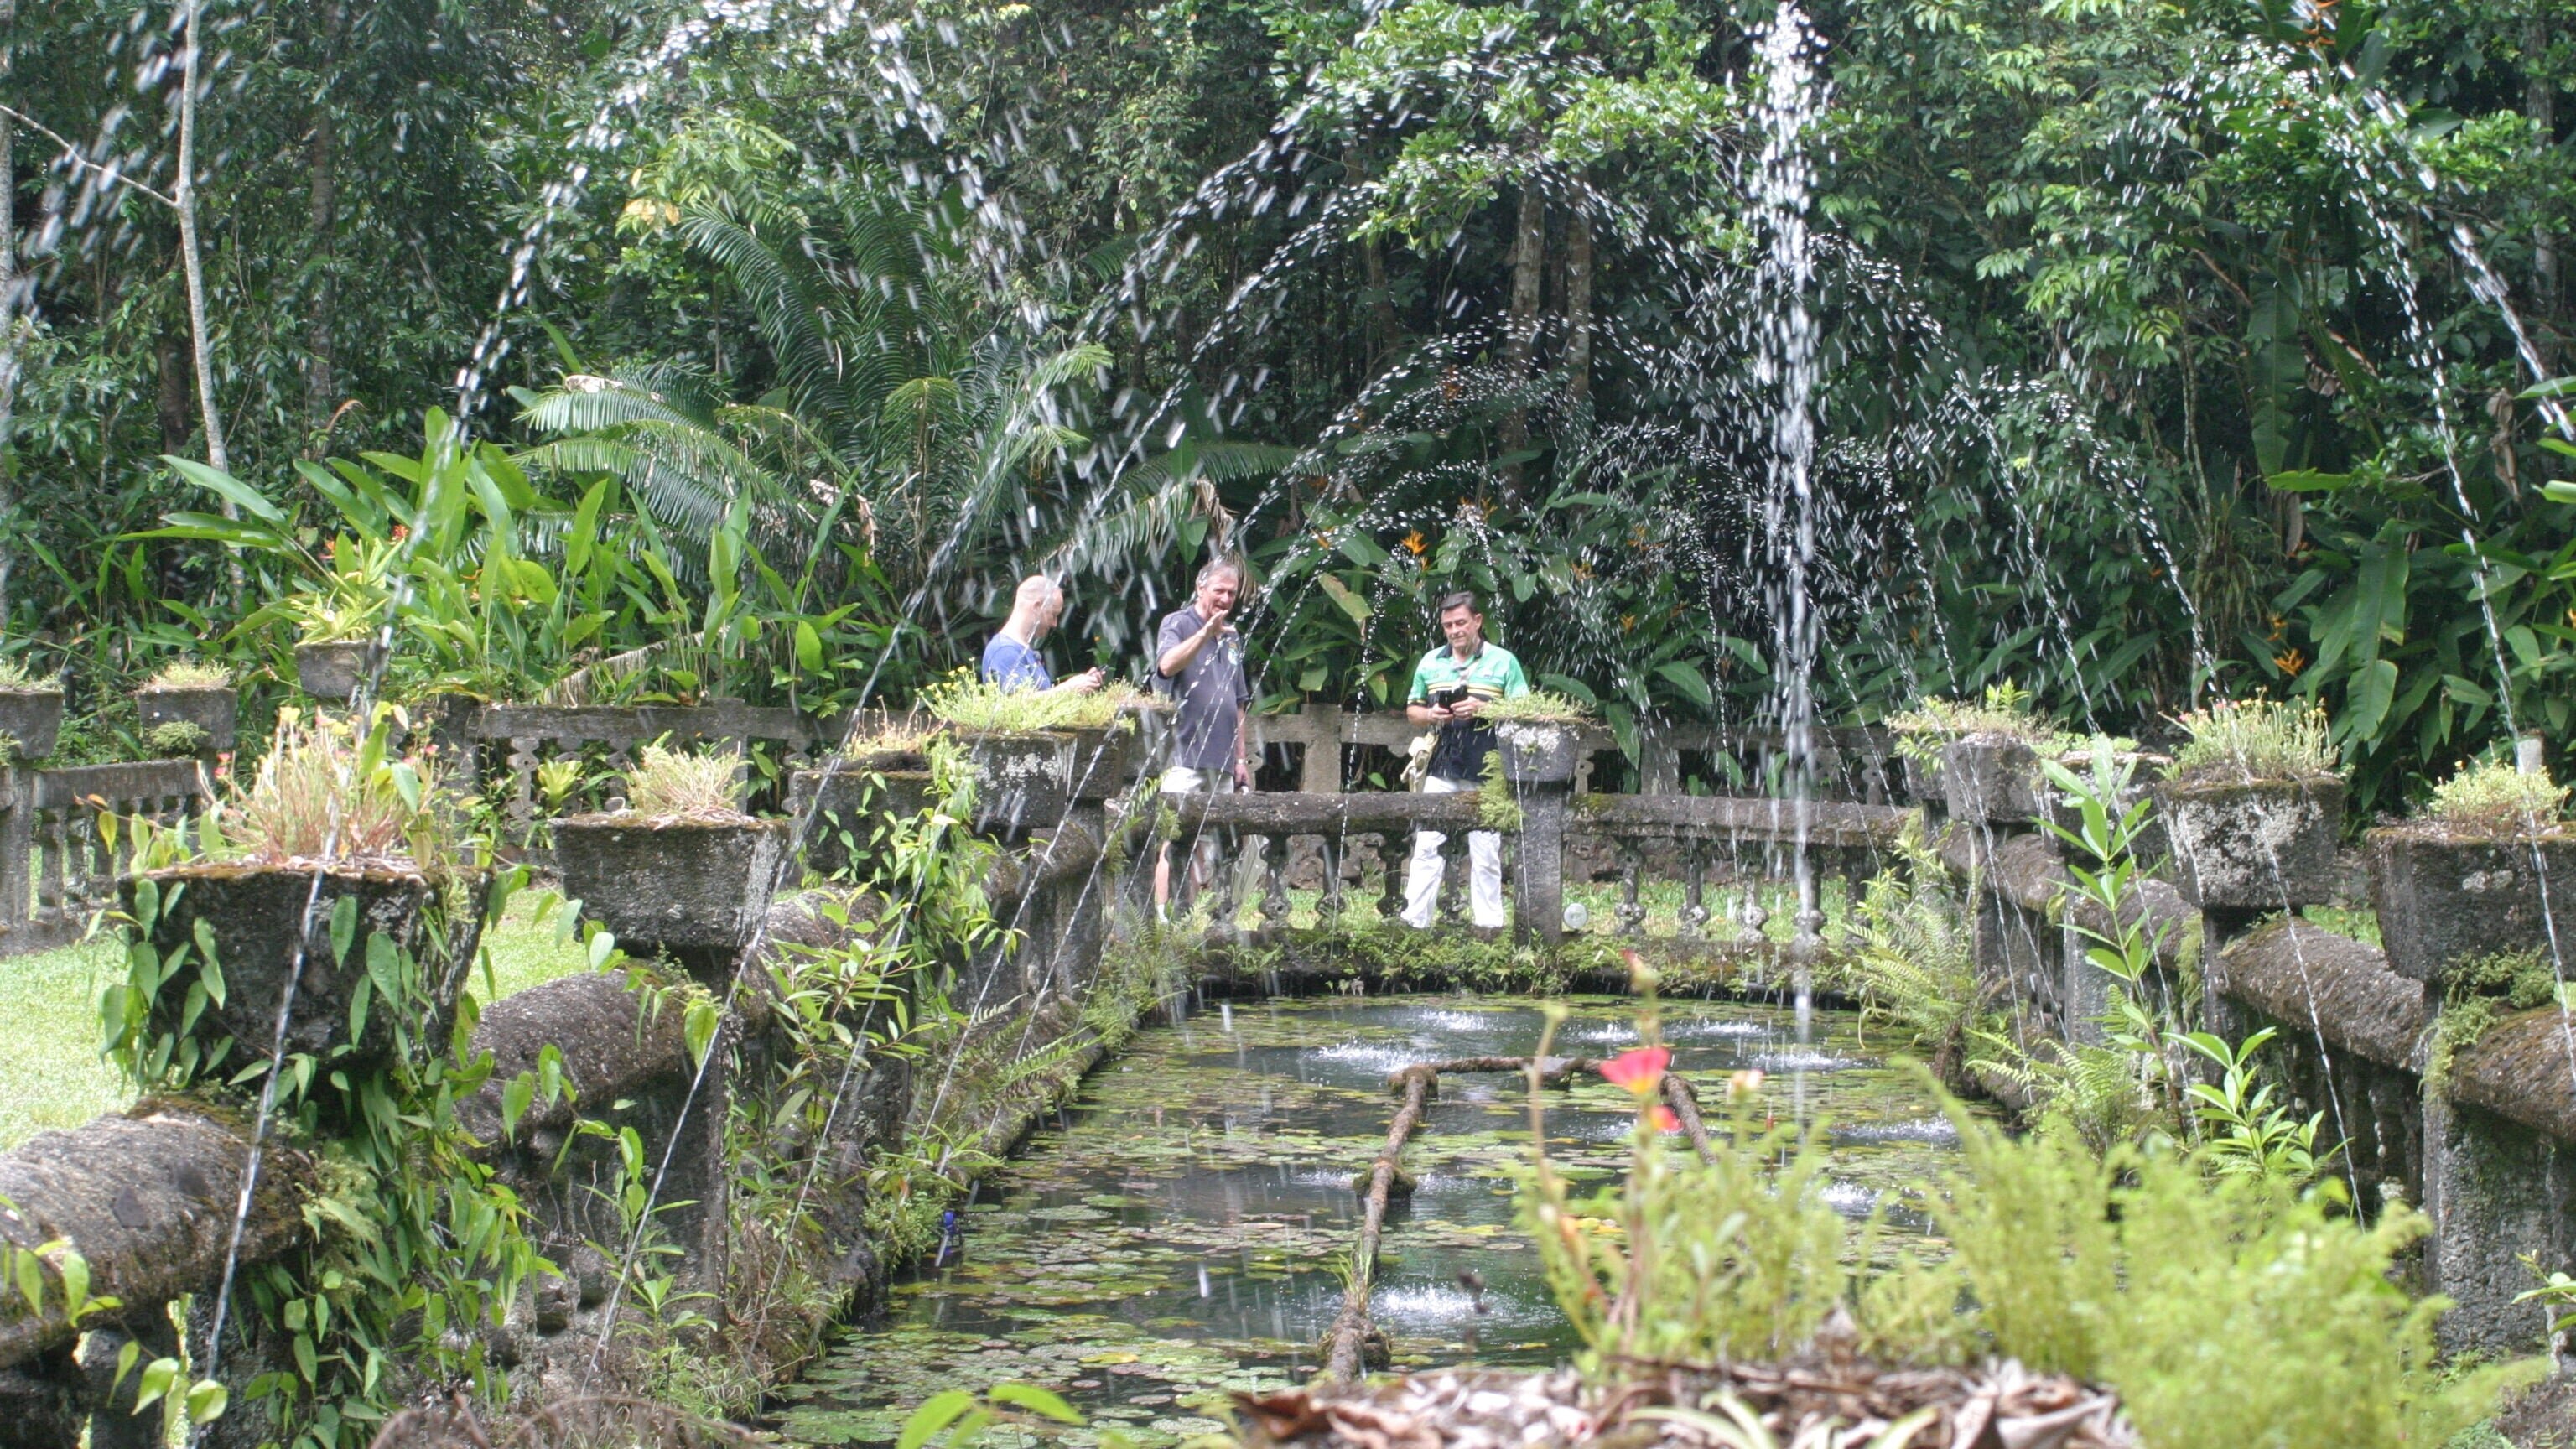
[[56, 1078]]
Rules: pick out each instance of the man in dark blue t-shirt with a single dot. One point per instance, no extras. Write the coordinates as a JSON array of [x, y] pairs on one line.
[[1198, 664], [1011, 660]]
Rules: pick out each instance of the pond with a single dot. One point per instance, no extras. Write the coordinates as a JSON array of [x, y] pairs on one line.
[[1183, 1228]]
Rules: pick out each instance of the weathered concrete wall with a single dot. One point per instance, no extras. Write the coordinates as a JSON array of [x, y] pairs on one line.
[[149, 1198]]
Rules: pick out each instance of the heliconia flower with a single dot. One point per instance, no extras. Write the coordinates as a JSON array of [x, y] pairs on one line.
[[1661, 1118], [1639, 1069]]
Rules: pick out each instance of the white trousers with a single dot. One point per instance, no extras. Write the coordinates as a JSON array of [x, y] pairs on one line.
[[1484, 869]]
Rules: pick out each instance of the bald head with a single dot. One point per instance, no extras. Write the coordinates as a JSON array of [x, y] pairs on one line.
[[1035, 607]]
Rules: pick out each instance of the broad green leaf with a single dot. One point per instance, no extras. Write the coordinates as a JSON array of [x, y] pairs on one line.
[[936, 1413], [1036, 1400]]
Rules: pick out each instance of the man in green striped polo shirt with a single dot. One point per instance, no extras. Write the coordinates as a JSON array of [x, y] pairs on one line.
[[1450, 686]]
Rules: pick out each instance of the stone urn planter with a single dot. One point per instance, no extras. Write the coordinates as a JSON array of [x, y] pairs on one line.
[[1105, 760], [254, 913], [843, 807], [32, 717], [212, 708], [330, 672], [2265, 845], [2446, 896], [697, 887], [1991, 779], [1023, 780], [1539, 752]]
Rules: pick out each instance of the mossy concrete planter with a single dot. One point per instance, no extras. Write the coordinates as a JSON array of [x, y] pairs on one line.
[[1105, 761], [2264, 846], [1537, 753], [695, 888], [1991, 780], [842, 809], [213, 709], [34, 718], [330, 672], [2444, 898], [1023, 781], [254, 914]]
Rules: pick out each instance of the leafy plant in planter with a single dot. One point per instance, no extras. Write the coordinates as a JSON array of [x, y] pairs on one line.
[[2253, 803], [188, 708], [1023, 751], [2489, 868], [881, 771], [31, 712], [1541, 735], [332, 876], [681, 866], [2002, 718], [329, 819]]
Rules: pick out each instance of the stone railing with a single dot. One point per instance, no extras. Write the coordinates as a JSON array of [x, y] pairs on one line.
[[149, 1198], [2485, 1142], [56, 868], [1261, 840]]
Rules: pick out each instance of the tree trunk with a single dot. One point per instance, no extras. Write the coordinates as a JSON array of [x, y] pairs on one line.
[[1384, 330], [2540, 103], [1578, 304], [191, 257], [172, 406], [8, 300], [1520, 340], [322, 155]]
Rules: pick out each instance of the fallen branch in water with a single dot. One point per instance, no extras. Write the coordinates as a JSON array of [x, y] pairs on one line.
[[1351, 1331]]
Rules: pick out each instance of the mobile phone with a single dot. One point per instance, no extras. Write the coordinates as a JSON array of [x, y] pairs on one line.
[[1449, 696]]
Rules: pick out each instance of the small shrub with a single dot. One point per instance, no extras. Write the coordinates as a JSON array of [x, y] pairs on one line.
[[2494, 798], [669, 783], [2145, 1271], [176, 738], [2254, 739], [974, 706], [889, 735], [324, 793], [15, 679], [1538, 706], [10, 748], [1923, 731], [191, 674]]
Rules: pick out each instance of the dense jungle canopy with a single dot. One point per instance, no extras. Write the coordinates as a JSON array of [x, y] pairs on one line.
[[2159, 345]]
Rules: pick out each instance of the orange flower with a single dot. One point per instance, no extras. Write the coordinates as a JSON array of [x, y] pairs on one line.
[[1583, 571], [2291, 661], [1661, 1118], [1639, 1069], [1414, 544]]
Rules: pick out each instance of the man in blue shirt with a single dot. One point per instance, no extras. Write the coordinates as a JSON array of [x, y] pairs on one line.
[[1011, 659], [1198, 665]]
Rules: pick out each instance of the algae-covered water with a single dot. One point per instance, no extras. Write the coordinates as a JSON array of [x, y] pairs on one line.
[[1182, 1230]]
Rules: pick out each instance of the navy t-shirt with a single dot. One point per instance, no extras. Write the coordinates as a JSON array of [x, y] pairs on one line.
[[1205, 696]]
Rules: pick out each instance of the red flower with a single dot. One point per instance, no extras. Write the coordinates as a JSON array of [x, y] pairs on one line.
[[1639, 1069], [1661, 1118]]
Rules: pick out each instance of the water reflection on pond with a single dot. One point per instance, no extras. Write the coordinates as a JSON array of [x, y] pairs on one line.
[[1182, 1229]]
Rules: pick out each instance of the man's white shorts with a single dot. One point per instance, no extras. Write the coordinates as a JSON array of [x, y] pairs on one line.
[[1182, 780]]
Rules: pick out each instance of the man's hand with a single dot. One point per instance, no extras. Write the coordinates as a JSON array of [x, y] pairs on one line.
[[1087, 681], [1242, 774], [1217, 625], [1465, 708]]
